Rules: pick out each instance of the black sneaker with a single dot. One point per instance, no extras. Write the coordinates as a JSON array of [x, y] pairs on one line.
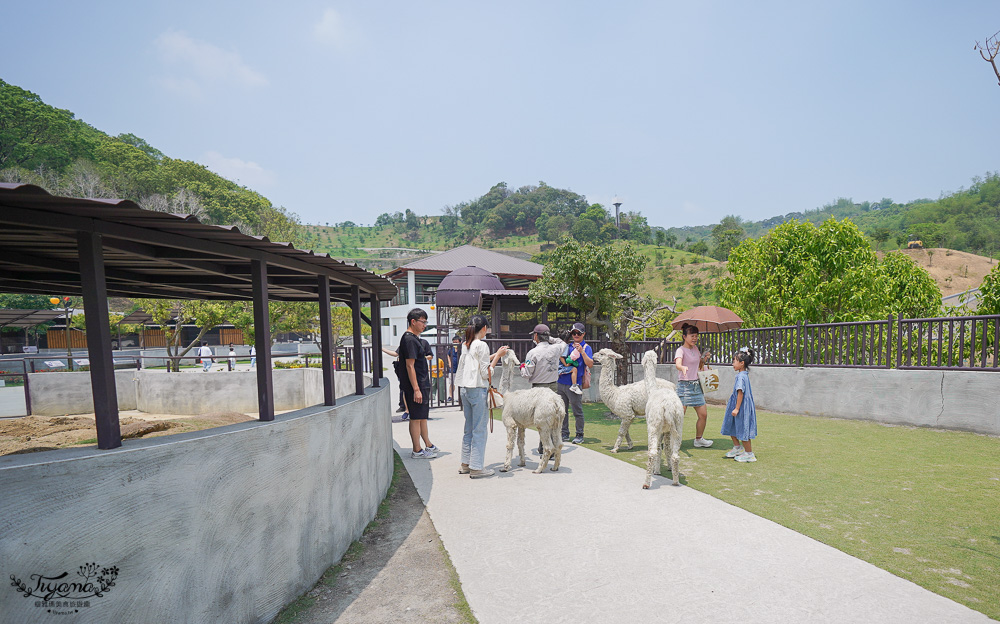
[[578, 440], [565, 438]]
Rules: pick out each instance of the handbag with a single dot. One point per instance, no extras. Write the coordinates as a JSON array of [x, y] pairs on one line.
[[586, 379], [709, 380]]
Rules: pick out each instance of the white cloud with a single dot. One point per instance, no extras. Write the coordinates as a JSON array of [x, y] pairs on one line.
[[332, 29], [198, 64], [245, 173]]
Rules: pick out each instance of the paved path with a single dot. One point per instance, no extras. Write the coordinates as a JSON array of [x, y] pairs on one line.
[[587, 544]]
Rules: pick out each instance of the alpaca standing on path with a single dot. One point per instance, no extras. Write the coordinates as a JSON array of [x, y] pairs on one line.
[[664, 422], [625, 402], [540, 408]]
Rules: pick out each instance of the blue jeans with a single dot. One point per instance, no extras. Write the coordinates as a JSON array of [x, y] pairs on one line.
[[476, 419]]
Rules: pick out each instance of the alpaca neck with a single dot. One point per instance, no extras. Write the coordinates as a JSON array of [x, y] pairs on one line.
[[505, 375], [649, 372]]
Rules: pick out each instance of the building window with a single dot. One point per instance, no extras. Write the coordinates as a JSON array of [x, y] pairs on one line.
[[385, 322]]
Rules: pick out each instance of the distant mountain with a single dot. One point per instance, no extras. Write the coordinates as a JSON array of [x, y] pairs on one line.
[[51, 148], [968, 220]]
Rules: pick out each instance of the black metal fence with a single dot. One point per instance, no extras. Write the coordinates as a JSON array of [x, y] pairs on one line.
[[944, 343]]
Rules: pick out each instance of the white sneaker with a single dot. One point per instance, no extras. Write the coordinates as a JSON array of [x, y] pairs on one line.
[[736, 450], [575, 388], [433, 449], [703, 443], [746, 457], [479, 474], [422, 454]]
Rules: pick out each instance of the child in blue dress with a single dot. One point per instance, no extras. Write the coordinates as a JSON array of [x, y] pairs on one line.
[[740, 420]]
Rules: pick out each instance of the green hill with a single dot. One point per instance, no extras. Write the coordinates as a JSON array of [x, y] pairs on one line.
[[49, 147]]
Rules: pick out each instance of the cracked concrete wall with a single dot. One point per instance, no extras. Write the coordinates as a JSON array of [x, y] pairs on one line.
[[157, 392], [223, 525]]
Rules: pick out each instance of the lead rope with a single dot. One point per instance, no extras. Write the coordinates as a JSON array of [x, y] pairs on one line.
[[492, 394]]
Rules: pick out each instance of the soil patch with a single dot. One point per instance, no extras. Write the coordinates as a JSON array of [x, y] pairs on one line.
[[31, 434], [954, 271]]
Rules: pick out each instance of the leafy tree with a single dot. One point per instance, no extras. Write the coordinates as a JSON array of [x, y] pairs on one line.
[[661, 238], [586, 231], [700, 248], [16, 301], [33, 134], [172, 314], [594, 279], [989, 293], [801, 272], [880, 235], [908, 288], [727, 234]]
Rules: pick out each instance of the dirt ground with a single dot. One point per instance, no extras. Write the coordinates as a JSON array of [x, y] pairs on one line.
[[30, 434], [954, 271]]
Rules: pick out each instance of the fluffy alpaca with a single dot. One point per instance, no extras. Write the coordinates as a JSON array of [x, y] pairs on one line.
[[534, 407], [625, 402], [664, 422]]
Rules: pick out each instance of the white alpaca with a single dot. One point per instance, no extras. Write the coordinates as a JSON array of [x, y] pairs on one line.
[[664, 423], [540, 408], [625, 402]]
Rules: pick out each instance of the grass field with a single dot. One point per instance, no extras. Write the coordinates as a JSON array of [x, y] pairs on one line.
[[922, 504]]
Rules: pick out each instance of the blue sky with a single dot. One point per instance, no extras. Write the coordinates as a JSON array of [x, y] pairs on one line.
[[687, 111]]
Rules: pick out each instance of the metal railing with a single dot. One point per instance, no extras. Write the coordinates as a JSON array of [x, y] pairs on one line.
[[969, 343], [52, 363]]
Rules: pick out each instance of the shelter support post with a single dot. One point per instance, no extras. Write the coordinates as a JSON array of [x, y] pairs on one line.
[[326, 341], [90, 249], [376, 316], [262, 340], [359, 354]]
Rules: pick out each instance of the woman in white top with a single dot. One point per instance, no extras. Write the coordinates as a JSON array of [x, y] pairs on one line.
[[472, 379]]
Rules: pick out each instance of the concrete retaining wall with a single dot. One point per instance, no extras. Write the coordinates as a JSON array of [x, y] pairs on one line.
[[960, 400], [158, 392], [224, 525]]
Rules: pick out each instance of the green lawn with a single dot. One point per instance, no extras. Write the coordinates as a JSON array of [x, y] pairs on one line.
[[920, 503]]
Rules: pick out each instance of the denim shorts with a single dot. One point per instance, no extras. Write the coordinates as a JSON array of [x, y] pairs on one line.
[[690, 393]]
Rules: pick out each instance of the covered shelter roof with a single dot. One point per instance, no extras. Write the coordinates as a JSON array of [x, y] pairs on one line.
[[462, 287], [98, 248], [155, 254], [28, 318], [469, 255]]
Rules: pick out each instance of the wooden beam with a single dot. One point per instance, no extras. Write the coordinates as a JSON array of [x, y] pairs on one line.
[[262, 341], [102, 368], [326, 341], [359, 361]]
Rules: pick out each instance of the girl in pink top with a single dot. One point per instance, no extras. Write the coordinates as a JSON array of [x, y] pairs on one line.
[[689, 360]]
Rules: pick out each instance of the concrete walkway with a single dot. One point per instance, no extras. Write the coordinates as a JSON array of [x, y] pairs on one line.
[[587, 544]]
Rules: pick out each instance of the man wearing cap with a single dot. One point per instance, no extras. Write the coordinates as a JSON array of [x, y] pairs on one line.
[[585, 357], [542, 361]]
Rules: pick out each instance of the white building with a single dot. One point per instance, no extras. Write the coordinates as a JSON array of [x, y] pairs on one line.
[[419, 280]]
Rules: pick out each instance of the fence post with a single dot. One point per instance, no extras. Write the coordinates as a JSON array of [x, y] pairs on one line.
[[899, 340], [888, 343], [798, 344]]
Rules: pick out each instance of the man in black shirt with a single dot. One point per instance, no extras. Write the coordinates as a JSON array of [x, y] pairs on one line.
[[416, 384]]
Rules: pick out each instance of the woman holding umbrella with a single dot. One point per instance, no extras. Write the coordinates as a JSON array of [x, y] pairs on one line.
[[689, 360]]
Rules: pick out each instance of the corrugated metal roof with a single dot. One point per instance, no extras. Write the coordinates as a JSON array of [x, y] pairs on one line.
[[468, 255], [155, 254]]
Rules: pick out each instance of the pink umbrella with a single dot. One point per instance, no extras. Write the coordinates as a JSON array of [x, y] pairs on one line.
[[708, 319]]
